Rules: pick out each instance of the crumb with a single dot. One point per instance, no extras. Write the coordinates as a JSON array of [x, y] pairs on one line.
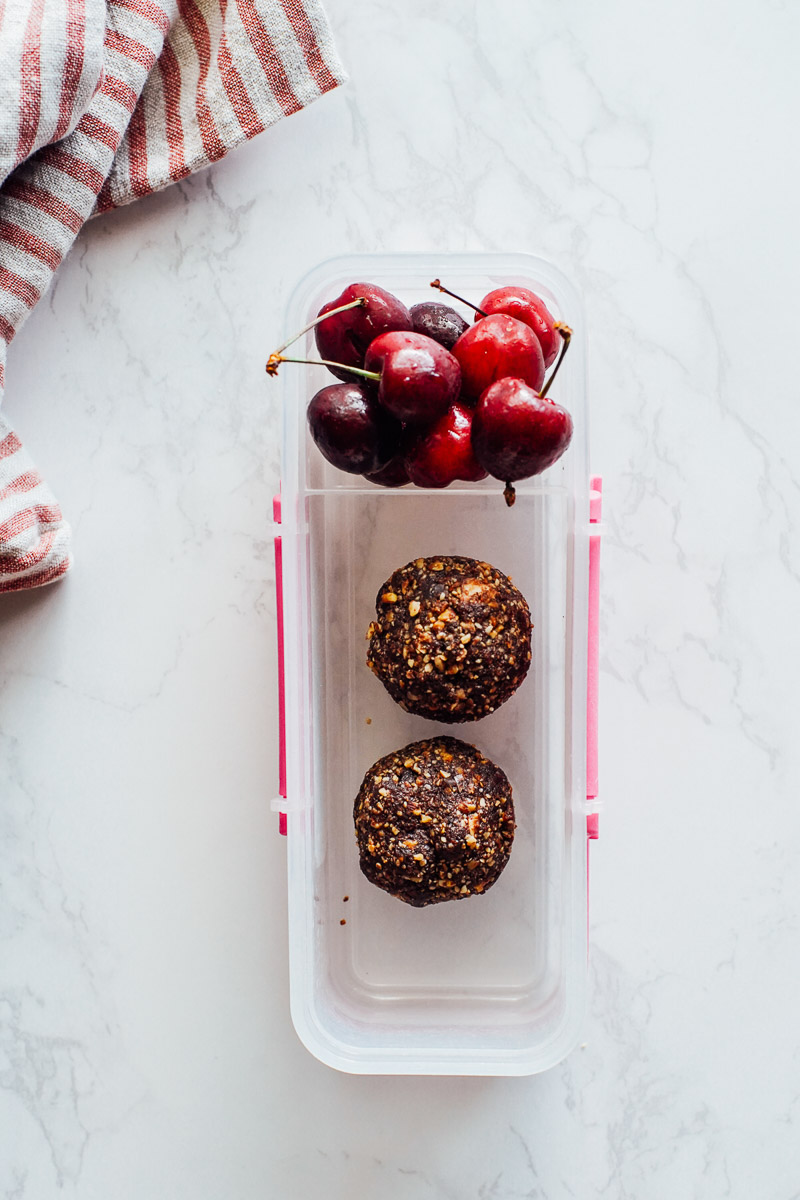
[[369, 720], [345, 899], [343, 922]]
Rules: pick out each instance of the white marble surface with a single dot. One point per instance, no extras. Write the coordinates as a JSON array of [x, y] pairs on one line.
[[146, 1051]]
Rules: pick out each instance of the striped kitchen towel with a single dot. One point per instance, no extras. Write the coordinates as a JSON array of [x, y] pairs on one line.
[[103, 101]]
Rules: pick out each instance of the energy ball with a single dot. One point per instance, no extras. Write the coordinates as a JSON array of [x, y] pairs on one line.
[[434, 821], [452, 638]]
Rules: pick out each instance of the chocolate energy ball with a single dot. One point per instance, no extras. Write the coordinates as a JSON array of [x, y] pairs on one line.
[[452, 638], [434, 821]]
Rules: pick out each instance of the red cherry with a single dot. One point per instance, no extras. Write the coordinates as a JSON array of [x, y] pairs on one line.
[[419, 379], [526, 306], [346, 336], [444, 452], [493, 348], [517, 433]]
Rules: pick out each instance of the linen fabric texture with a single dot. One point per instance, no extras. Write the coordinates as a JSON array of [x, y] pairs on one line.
[[101, 103]]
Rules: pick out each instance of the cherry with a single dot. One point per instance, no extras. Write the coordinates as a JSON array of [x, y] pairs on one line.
[[444, 452], [517, 432], [439, 322], [495, 347], [394, 474], [351, 429], [419, 379], [346, 335], [526, 306]]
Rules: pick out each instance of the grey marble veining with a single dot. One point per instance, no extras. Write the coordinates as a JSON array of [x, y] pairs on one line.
[[146, 1050]]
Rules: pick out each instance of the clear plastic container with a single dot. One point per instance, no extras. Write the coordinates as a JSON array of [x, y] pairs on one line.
[[489, 985]]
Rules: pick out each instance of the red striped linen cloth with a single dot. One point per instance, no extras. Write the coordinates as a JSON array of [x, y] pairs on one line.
[[103, 102]]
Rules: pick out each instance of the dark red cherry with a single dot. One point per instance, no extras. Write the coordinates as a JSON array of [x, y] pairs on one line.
[[493, 348], [351, 428], [346, 336], [438, 321], [517, 433], [526, 306], [444, 452], [394, 474], [419, 379]]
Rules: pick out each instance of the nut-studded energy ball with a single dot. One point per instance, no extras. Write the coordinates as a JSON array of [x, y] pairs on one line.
[[452, 638], [434, 821]]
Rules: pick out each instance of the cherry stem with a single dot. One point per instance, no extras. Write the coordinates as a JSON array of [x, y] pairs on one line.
[[566, 335], [275, 360], [509, 495], [437, 283], [359, 302]]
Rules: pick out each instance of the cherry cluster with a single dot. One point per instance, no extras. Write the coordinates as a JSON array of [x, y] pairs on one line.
[[426, 398]]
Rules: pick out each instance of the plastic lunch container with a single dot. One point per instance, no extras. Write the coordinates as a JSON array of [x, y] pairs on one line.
[[493, 984]]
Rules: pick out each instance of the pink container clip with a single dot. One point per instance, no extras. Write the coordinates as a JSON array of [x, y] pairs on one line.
[[276, 513], [593, 673]]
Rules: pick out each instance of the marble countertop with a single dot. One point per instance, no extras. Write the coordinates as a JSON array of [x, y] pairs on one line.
[[146, 1048]]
